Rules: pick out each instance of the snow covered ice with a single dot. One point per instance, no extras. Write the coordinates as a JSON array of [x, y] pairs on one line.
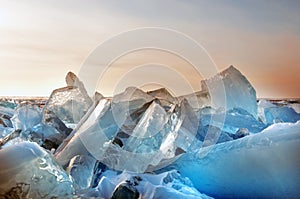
[[262, 165], [152, 144], [165, 185]]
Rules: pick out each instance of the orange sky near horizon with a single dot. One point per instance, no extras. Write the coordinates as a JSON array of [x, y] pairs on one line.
[[40, 41]]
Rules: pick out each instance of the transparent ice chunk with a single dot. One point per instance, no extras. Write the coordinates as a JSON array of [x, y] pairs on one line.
[[234, 119], [69, 104], [271, 113], [31, 171], [143, 137], [238, 90], [26, 116], [164, 96], [198, 99], [81, 168], [158, 139]]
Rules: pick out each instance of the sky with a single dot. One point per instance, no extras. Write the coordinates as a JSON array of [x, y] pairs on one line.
[[40, 41]]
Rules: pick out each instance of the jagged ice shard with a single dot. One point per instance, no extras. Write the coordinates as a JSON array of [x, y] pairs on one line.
[[26, 116], [152, 144], [238, 90], [69, 103], [149, 135]]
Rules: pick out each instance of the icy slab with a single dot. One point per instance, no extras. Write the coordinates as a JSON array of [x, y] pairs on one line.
[[198, 99], [209, 133], [13, 137], [263, 165], [52, 129], [295, 106], [4, 131], [270, 113], [47, 130], [45, 135], [26, 169], [165, 98], [49, 118], [281, 114], [238, 90], [124, 104], [7, 111], [26, 116], [7, 134], [262, 105], [99, 169], [73, 145], [132, 94], [110, 115], [8, 104], [155, 151], [81, 168], [148, 128], [152, 141], [69, 104], [234, 119], [163, 94], [166, 185], [5, 121]]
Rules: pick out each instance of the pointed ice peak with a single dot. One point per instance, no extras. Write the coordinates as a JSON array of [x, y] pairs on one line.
[[97, 97], [71, 78], [230, 71], [74, 81], [237, 91], [131, 94], [69, 103], [162, 93]]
